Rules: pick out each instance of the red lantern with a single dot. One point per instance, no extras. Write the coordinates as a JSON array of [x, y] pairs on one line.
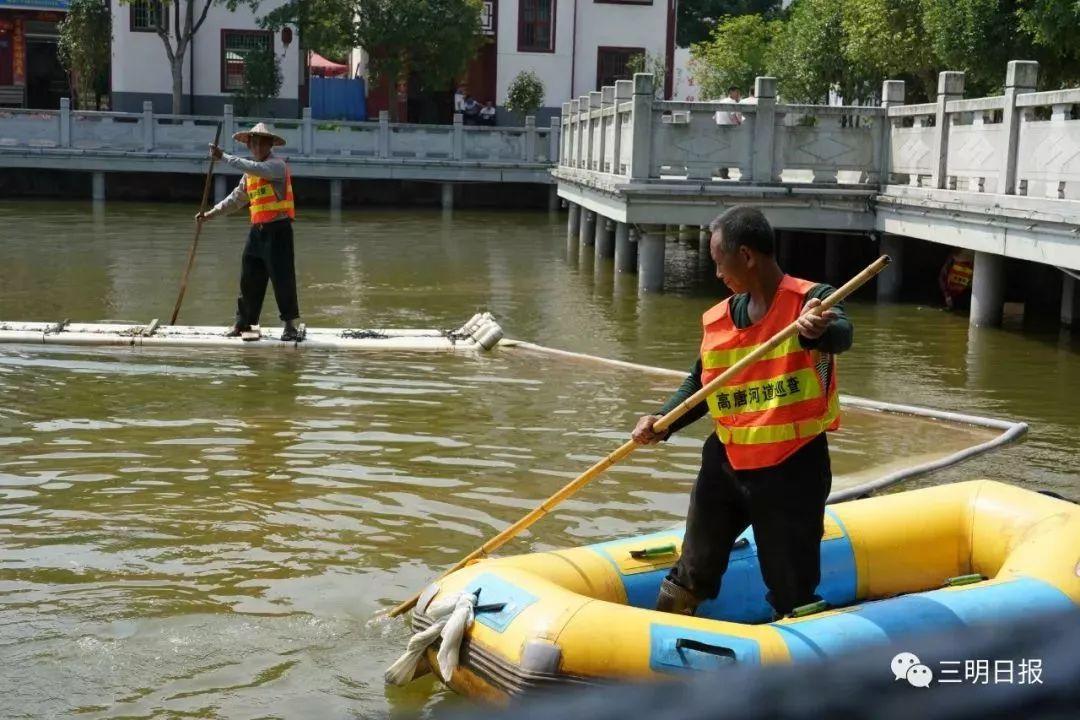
[[286, 36]]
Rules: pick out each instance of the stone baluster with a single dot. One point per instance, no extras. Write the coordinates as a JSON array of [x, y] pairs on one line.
[[764, 166], [641, 120], [1020, 78], [950, 87]]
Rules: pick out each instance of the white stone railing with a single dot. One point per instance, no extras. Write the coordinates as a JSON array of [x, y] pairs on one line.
[[148, 132], [623, 131], [1023, 142]]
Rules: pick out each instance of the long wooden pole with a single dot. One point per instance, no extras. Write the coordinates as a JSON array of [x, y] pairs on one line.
[[662, 424], [198, 231]]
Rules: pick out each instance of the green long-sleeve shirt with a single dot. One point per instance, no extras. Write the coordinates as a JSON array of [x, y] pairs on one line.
[[836, 339]]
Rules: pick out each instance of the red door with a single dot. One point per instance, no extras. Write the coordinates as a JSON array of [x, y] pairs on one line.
[[6, 43]]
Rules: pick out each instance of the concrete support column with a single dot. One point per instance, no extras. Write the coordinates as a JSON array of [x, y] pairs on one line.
[[587, 234], [220, 188], [891, 279], [651, 259], [1070, 301], [785, 250], [553, 198], [625, 249], [97, 186], [335, 195], [605, 241], [573, 218], [834, 248], [448, 196], [987, 289]]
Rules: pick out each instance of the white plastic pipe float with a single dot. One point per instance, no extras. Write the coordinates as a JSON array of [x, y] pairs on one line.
[[1010, 430], [481, 332]]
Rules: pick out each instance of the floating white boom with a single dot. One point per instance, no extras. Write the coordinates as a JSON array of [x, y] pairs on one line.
[[481, 332]]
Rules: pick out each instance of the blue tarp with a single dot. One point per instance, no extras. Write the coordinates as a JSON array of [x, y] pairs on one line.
[[337, 99], [36, 4]]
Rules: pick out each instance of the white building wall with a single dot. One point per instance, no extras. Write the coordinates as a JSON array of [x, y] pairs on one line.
[[616, 25], [598, 25], [140, 66]]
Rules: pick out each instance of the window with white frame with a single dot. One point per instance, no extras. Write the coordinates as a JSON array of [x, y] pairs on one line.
[[235, 46]]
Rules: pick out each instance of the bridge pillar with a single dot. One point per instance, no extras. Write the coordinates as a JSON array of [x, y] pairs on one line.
[[834, 248], [605, 242], [97, 186], [890, 281], [651, 259], [573, 218], [587, 234], [448, 196], [220, 188], [335, 195], [625, 249], [987, 289], [1070, 301]]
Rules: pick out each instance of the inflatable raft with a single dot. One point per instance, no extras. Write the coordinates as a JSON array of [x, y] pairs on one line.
[[908, 563], [481, 332]]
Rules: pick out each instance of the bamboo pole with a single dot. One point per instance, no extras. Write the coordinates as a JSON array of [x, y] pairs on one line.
[[662, 424], [198, 231]]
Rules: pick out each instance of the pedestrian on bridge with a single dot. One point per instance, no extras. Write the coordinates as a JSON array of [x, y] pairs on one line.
[[767, 463], [266, 189]]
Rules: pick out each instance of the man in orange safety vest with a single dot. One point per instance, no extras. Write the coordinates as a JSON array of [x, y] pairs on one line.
[[766, 464]]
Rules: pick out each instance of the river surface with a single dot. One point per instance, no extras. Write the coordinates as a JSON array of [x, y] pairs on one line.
[[208, 533]]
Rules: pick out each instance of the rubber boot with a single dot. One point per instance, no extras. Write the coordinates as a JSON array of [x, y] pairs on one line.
[[676, 599]]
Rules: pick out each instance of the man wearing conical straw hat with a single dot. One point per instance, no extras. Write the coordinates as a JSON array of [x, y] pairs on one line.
[[266, 190]]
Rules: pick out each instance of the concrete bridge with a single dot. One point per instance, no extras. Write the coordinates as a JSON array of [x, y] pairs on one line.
[[111, 142], [997, 175]]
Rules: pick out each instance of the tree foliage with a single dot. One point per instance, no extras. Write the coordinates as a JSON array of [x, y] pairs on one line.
[[735, 54], [850, 46], [430, 41], [262, 81], [698, 19], [85, 48], [325, 26], [655, 65], [526, 93]]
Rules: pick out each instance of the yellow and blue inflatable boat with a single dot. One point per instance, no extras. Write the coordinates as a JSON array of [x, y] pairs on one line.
[[936, 558]]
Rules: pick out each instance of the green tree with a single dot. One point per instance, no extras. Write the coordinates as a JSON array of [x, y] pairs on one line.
[[735, 54], [976, 36], [262, 81], [325, 26], [85, 48], [430, 41], [699, 19], [1051, 27], [807, 58], [646, 62], [525, 95], [886, 39]]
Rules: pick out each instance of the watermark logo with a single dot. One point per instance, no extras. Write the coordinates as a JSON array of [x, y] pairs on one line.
[[907, 666]]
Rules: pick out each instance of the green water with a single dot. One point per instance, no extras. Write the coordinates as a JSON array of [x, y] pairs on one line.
[[208, 533]]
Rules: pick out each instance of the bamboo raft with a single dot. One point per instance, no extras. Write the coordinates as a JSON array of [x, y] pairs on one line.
[[480, 333]]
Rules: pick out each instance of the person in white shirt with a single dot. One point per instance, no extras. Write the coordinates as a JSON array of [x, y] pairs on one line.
[[734, 95], [459, 99], [487, 114]]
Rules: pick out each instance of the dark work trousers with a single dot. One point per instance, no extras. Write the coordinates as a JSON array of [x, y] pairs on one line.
[[785, 504], [268, 255]]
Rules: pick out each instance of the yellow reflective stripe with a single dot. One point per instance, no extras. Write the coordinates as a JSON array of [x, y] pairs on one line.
[[758, 395], [260, 191], [766, 434], [722, 359], [279, 205]]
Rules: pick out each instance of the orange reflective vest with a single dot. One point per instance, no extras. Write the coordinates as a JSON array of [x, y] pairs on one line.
[[958, 278], [263, 203], [779, 403]]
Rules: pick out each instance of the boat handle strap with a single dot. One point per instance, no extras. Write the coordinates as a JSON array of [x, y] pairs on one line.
[[698, 646], [658, 551]]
